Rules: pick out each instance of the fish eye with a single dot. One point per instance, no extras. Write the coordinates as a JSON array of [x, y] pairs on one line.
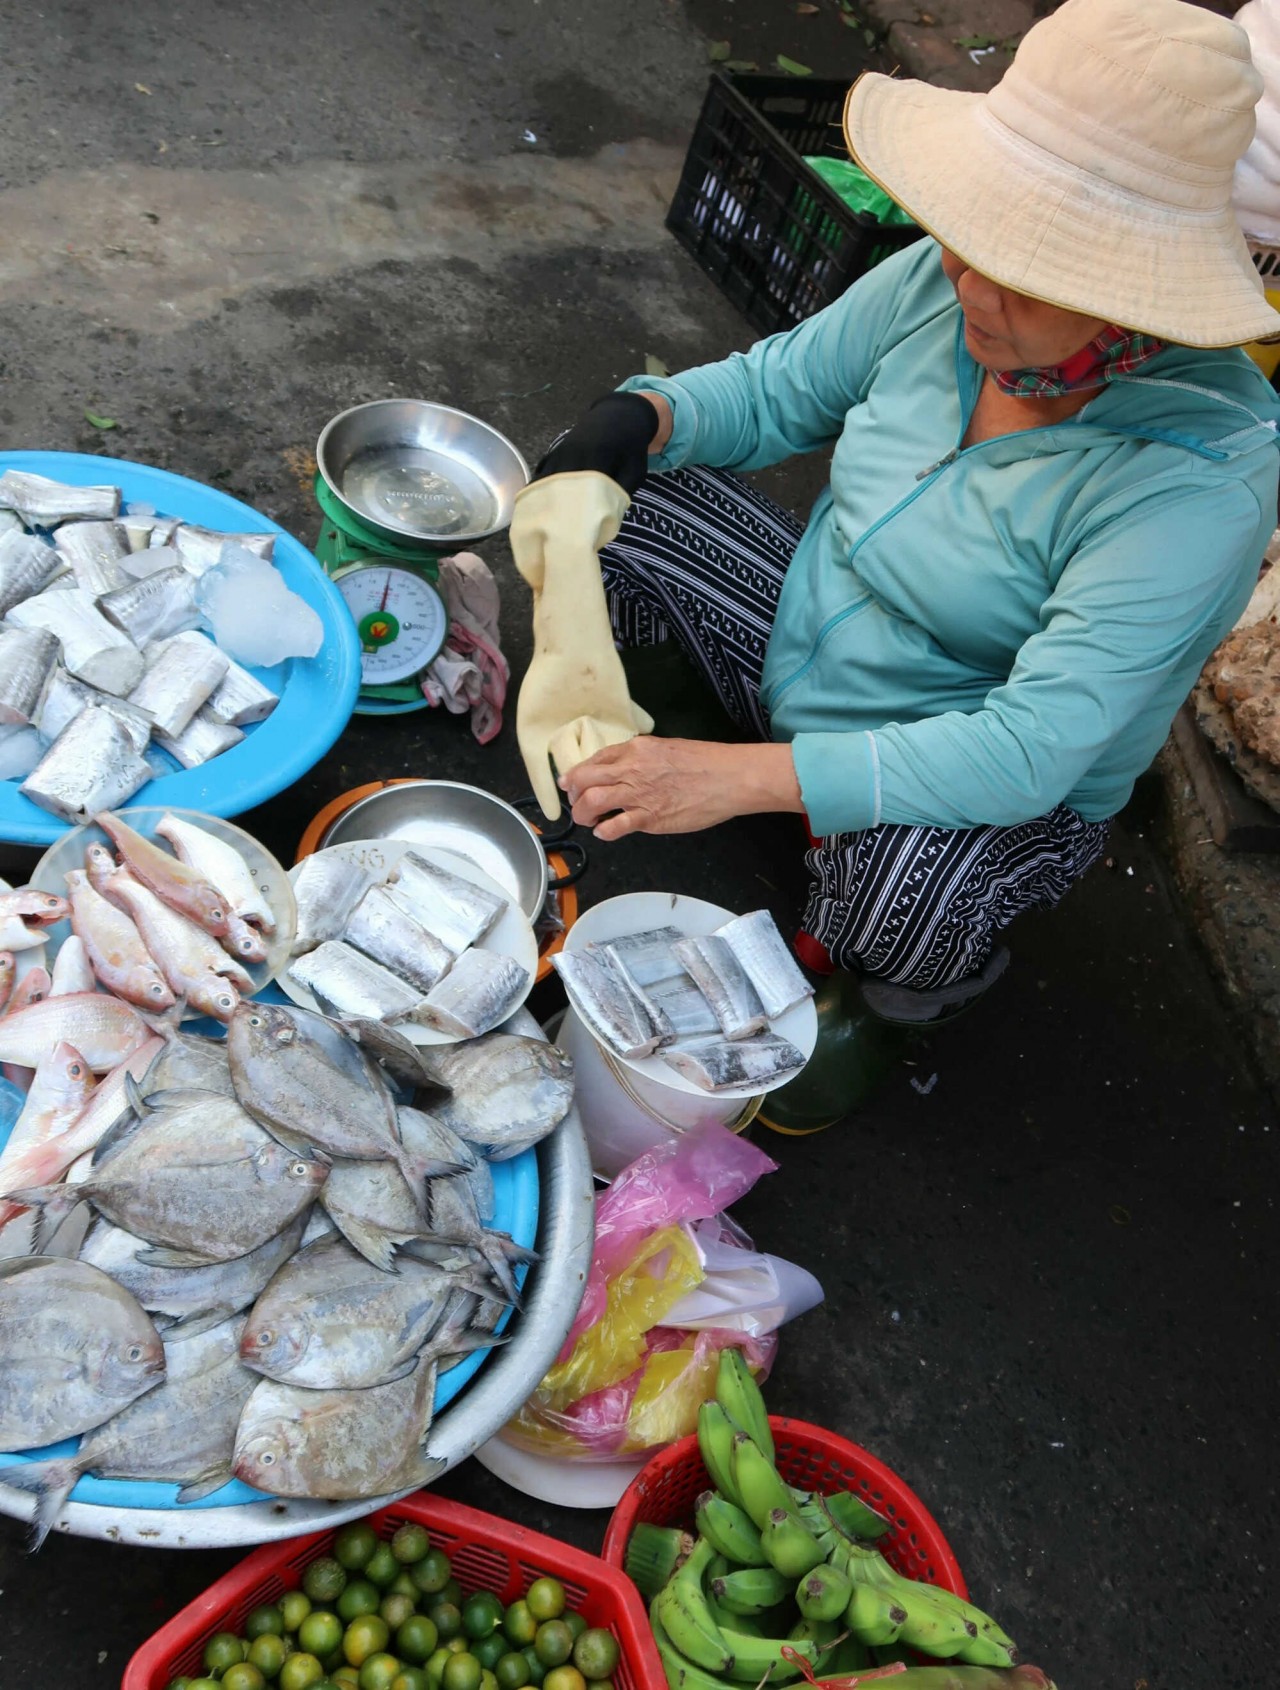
[[134, 1352], [266, 1459], [266, 1336], [300, 1168], [75, 1070], [255, 1021], [216, 913]]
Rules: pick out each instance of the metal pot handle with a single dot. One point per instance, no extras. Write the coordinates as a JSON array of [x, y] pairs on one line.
[[568, 848], [551, 833]]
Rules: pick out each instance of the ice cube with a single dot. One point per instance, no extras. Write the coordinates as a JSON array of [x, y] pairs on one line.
[[254, 616], [150, 561], [20, 750]]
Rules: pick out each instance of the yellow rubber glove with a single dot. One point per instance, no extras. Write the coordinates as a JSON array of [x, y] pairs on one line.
[[574, 699]]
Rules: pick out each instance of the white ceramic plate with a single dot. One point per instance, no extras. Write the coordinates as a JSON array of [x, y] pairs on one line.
[[68, 853], [511, 935], [636, 912]]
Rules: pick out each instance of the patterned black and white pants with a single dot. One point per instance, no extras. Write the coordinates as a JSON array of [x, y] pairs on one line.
[[700, 559]]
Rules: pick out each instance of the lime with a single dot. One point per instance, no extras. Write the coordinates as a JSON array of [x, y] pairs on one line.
[[453, 1592], [411, 1678], [264, 1621], [201, 1683], [576, 1624], [324, 1580], [367, 1635], [224, 1649], [382, 1567], [564, 1678], [242, 1676], [490, 1650], [177, 1684], [320, 1634], [432, 1572], [554, 1643], [360, 1597], [436, 1663], [348, 1676], [519, 1624], [267, 1653], [601, 1684], [416, 1640], [378, 1671], [354, 1546], [537, 1671], [448, 1620], [397, 1609], [546, 1599], [458, 1645], [461, 1672], [295, 1605], [481, 1614], [410, 1542], [403, 1585], [300, 1672], [595, 1653], [511, 1671], [488, 1681]]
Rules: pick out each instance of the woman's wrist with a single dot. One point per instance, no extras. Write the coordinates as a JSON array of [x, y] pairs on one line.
[[764, 778], [666, 418]]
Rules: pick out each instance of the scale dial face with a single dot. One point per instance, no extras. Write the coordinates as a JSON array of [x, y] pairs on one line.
[[400, 617]]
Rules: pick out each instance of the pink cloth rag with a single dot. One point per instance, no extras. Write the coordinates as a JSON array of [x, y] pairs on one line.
[[470, 673]]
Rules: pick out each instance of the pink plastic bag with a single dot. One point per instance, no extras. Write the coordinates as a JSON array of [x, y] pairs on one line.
[[690, 1179]]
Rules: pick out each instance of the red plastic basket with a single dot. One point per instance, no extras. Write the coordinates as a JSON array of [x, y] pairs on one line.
[[664, 1492], [486, 1553]]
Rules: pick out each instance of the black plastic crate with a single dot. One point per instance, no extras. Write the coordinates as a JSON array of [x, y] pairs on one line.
[[779, 242]]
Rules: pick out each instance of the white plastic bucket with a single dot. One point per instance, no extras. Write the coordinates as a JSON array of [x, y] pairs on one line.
[[628, 1107]]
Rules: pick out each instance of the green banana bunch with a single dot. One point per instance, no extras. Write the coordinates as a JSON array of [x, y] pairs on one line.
[[681, 1609], [874, 1616], [823, 1634], [716, 1433], [789, 1545], [730, 1531], [938, 1622], [757, 1660], [682, 1673], [759, 1486], [752, 1590], [845, 1513], [739, 1396], [824, 1593]]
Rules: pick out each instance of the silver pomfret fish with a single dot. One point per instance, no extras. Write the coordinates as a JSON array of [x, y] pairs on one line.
[[181, 1433], [338, 1444], [76, 1349], [371, 1203], [507, 1091], [330, 1320]]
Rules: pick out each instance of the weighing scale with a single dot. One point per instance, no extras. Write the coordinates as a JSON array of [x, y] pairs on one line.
[[389, 588]]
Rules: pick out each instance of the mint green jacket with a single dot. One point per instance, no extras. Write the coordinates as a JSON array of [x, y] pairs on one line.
[[974, 635]]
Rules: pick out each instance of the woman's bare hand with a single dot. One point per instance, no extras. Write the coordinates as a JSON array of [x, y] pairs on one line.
[[654, 785]]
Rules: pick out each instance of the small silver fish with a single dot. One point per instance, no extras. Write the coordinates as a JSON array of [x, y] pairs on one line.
[[327, 887], [717, 1064], [27, 658], [374, 1206], [721, 979], [95, 553], [457, 911], [477, 994], [27, 566], [222, 866], [91, 766], [41, 503], [338, 1444], [343, 979], [769, 965], [77, 1348], [239, 699], [181, 1433], [384, 929], [599, 992], [203, 739], [506, 1091], [65, 697], [200, 549], [92, 648], [154, 608], [181, 672]]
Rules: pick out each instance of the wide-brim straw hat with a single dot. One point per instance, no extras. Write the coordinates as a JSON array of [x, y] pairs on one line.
[[1096, 175]]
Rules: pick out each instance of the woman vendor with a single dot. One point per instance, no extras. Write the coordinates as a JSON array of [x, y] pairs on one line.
[[1054, 476]]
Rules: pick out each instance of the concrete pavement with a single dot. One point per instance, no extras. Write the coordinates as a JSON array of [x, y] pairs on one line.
[[1049, 1246]]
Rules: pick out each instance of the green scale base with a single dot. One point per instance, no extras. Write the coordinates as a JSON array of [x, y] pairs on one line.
[[344, 540]]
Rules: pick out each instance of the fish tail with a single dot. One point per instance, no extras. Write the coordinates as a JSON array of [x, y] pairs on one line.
[[55, 1203], [51, 1482]]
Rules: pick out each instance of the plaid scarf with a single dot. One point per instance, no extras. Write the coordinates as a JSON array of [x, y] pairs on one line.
[[1115, 352]]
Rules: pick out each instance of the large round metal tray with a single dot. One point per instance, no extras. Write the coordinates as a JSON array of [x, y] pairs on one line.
[[552, 1291]]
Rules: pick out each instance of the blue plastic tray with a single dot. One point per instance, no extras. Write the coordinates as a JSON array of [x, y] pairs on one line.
[[516, 1192], [317, 694]]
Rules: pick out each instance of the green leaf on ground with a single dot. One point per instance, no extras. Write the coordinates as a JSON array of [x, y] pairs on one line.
[[718, 51], [741, 64], [792, 66], [654, 366], [93, 418]]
